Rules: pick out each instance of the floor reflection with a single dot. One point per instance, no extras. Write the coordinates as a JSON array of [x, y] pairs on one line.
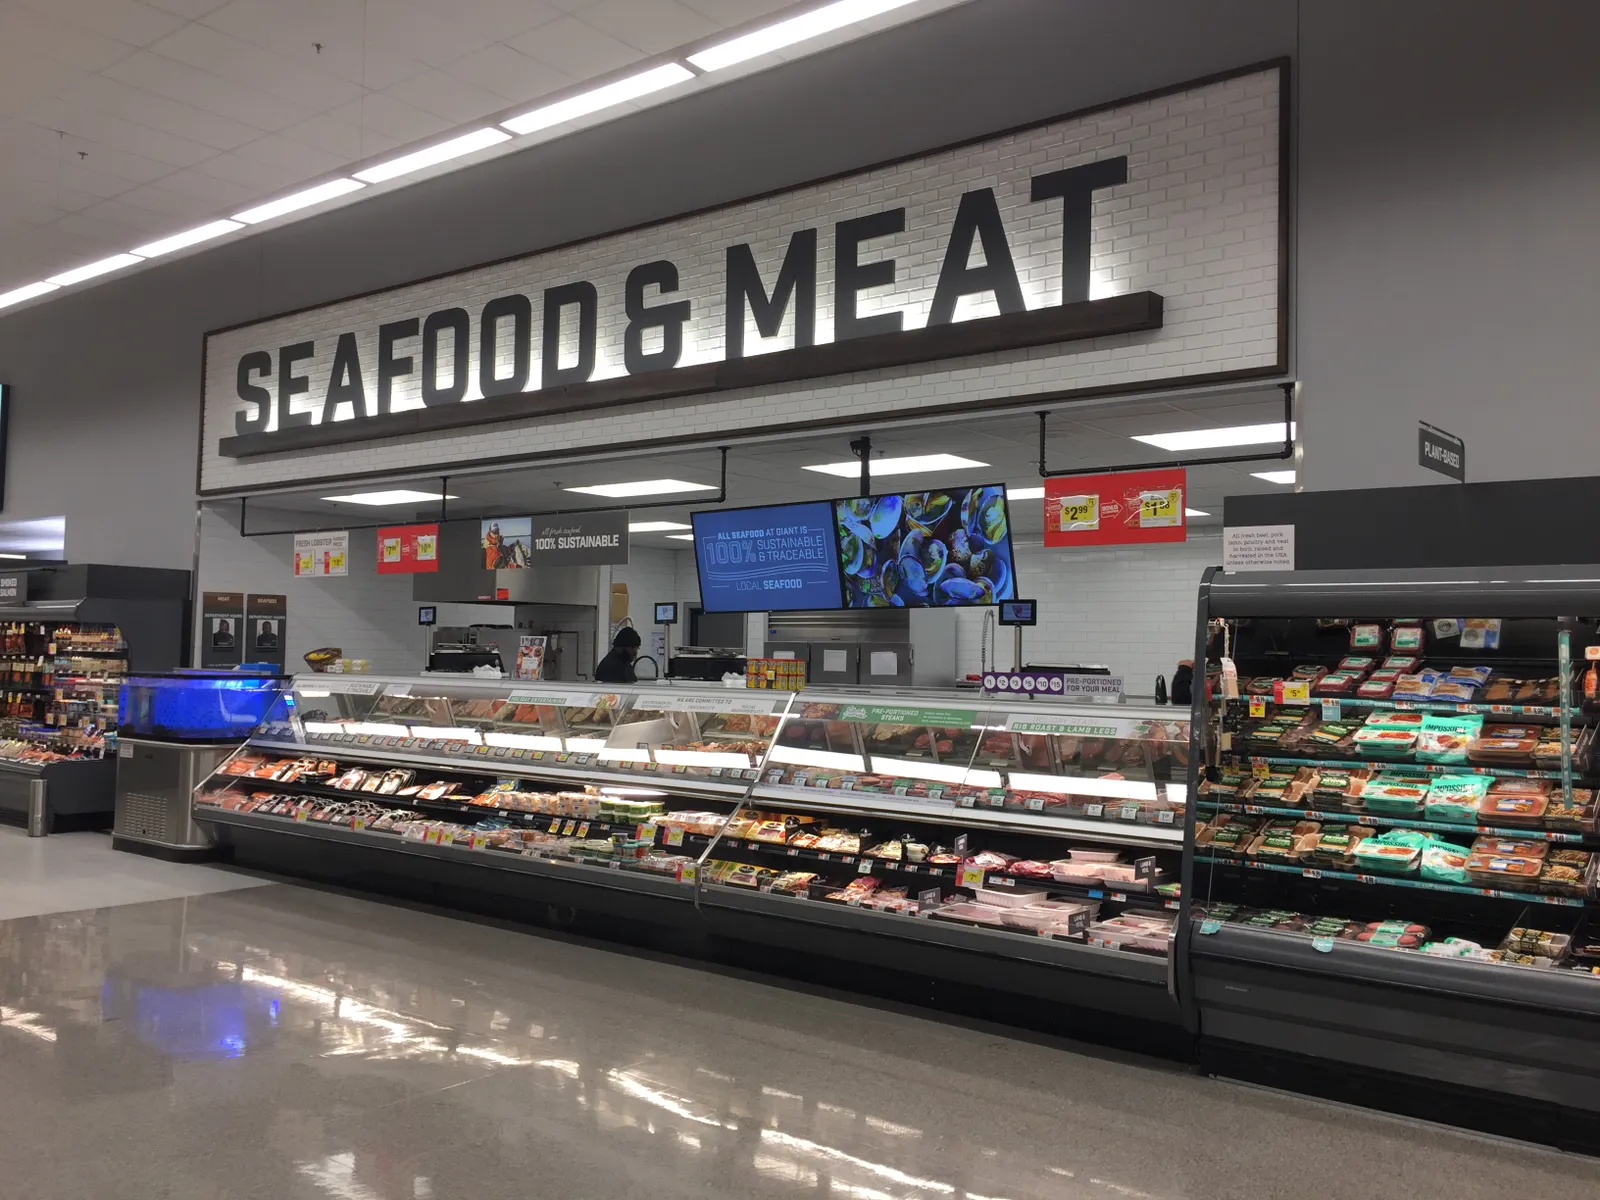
[[285, 1043]]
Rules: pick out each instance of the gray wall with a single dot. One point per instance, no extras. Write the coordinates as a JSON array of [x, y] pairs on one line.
[[1444, 239]]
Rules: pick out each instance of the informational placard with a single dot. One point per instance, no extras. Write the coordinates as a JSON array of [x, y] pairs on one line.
[[1054, 683], [265, 628], [408, 549], [322, 554], [1126, 508], [1258, 548], [776, 559], [1442, 452], [530, 656], [575, 540], [14, 586], [958, 718], [221, 635]]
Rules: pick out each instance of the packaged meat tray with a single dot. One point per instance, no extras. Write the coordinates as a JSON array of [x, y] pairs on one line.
[[1132, 931], [1001, 898], [1515, 802], [1505, 745], [1371, 742], [1375, 854], [969, 913], [1048, 915], [1504, 871]]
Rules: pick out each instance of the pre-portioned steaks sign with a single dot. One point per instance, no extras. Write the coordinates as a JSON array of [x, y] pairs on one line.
[[1141, 239]]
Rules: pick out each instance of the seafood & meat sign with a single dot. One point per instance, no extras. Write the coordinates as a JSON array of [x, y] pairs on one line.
[[548, 338]]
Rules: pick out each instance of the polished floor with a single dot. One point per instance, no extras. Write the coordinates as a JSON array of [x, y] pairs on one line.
[[241, 1041]]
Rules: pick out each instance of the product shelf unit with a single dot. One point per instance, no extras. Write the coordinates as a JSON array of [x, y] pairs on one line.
[[865, 827], [1420, 913]]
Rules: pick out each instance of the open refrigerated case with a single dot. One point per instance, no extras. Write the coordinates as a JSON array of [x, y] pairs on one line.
[[1393, 843], [1033, 847]]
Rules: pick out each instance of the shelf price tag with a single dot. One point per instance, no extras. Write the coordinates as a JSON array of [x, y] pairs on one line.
[[1330, 710], [1258, 706], [971, 877], [1094, 810], [1260, 769], [864, 867], [674, 836], [1165, 817], [1128, 812], [1034, 803], [1292, 691]]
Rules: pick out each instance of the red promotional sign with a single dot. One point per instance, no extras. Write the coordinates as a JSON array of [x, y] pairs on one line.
[[408, 549], [1112, 510]]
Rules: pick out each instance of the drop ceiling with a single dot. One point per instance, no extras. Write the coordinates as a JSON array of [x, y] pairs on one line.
[[124, 121], [771, 472]]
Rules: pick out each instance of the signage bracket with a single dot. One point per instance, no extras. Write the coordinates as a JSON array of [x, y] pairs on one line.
[[1286, 450]]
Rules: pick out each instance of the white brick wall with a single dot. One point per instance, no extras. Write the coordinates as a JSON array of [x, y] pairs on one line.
[[1197, 222], [365, 614], [1131, 609]]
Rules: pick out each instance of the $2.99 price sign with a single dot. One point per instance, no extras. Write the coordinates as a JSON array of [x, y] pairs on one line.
[[1124, 508]]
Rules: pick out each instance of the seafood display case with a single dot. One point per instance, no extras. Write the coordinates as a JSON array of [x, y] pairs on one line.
[[1393, 846], [1035, 846]]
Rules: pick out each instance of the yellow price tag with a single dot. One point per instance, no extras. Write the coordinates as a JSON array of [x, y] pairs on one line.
[[1258, 706], [1161, 509], [1080, 513], [1260, 769], [1297, 691], [971, 877]]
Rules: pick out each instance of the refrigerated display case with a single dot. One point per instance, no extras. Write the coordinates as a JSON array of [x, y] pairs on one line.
[[1032, 845], [1393, 844]]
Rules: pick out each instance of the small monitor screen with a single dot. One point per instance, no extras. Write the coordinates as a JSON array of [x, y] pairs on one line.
[[666, 614], [1019, 612]]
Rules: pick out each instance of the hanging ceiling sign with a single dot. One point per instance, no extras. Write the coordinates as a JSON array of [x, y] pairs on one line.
[[1125, 508], [1124, 247], [408, 549]]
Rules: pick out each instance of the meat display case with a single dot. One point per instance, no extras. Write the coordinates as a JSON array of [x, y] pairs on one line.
[[1392, 845], [1033, 845]]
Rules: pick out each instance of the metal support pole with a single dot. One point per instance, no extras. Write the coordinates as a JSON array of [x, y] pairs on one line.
[[1017, 666], [862, 449], [38, 808]]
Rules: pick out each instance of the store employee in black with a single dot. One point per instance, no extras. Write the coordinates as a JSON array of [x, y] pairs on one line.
[[617, 666]]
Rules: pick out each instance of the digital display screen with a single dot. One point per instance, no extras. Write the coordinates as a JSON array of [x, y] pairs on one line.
[[926, 549], [776, 559], [666, 614], [1019, 612]]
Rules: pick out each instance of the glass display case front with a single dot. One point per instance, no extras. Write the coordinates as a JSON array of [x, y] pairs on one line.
[[1023, 819]]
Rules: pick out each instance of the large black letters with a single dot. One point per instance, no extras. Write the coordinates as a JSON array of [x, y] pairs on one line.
[[291, 385], [390, 365], [460, 326], [582, 294], [796, 283], [345, 385], [977, 217], [257, 362], [851, 276], [668, 318], [1075, 188], [518, 308]]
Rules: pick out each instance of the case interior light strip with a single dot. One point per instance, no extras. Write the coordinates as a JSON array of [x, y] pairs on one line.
[[521, 741], [800, 757], [934, 772], [702, 758], [1115, 789]]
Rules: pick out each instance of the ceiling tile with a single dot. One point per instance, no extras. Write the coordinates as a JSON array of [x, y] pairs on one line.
[[391, 117], [207, 90], [125, 20], [273, 164], [299, 78], [444, 95], [737, 12], [349, 142], [412, 31], [510, 74], [172, 116], [216, 193], [653, 26], [175, 207], [294, 27], [576, 48], [48, 37], [88, 129], [501, 19], [192, 9]]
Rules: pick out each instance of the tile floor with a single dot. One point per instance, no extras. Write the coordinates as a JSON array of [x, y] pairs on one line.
[[182, 1033]]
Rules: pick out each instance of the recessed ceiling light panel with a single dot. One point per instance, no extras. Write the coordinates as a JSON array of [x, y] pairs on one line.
[[1195, 512], [1274, 476], [787, 33], [393, 496], [1025, 493], [642, 487], [192, 237], [467, 143], [655, 526], [104, 267], [680, 537], [599, 98], [1212, 439], [28, 292], [277, 208], [904, 465]]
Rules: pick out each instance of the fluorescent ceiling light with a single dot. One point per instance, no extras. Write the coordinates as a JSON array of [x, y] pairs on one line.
[[654, 526], [904, 465], [1274, 476], [396, 496], [104, 267], [7, 299], [680, 537], [202, 233], [642, 487], [478, 139], [1195, 512], [593, 101], [294, 203], [786, 33], [13, 556], [1211, 439], [1027, 493]]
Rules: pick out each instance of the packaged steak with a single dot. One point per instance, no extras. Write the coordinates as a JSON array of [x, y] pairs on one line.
[[1401, 662], [1499, 870], [1536, 848], [1405, 639], [1358, 663], [1504, 745], [1513, 805], [1376, 689], [1340, 683], [1366, 637]]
